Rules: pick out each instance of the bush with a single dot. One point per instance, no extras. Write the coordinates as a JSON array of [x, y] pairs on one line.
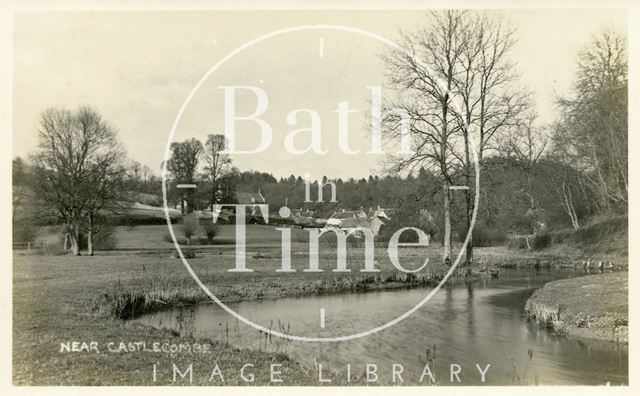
[[541, 241], [210, 230], [189, 226]]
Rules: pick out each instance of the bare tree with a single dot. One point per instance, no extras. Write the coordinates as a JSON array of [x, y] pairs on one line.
[[593, 128], [217, 163], [183, 165], [73, 170], [105, 174], [527, 142], [491, 103], [424, 97], [466, 56]]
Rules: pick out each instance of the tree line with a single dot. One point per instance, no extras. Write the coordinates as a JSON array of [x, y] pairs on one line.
[[456, 91], [461, 93]]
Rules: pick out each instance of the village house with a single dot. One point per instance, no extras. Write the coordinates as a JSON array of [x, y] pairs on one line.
[[350, 220], [251, 198], [337, 218]]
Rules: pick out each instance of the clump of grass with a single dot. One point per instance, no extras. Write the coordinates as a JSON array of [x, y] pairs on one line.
[[546, 316], [160, 291]]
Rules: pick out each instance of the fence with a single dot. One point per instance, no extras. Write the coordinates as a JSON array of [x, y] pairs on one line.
[[29, 245]]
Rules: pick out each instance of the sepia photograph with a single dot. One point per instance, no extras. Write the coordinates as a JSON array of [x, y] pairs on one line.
[[344, 197]]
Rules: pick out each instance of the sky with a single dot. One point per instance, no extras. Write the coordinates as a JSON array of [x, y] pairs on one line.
[[137, 69]]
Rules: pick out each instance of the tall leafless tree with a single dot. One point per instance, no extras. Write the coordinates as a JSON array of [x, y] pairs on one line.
[[217, 163], [77, 168], [105, 174], [457, 86], [593, 129], [423, 81], [491, 101]]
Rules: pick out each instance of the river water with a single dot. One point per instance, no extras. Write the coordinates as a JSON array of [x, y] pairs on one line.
[[464, 324]]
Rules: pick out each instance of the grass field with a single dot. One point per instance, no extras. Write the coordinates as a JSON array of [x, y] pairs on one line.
[[54, 302], [59, 299], [594, 306]]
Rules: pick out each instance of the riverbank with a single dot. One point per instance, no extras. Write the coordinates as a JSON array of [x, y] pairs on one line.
[[62, 299], [164, 282], [592, 307]]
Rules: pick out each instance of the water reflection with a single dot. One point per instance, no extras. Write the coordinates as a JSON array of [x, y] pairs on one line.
[[466, 324]]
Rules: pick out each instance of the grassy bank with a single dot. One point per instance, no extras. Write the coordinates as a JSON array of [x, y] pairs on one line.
[[153, 282], [593, 306], [52, 304]]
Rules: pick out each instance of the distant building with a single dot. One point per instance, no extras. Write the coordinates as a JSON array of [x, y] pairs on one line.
[[352, 224], [250, 198], [350, 220], [337, 218]]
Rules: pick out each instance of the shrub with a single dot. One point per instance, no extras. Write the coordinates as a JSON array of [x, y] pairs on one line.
[[210, 230], [189, 226], [541, 241]]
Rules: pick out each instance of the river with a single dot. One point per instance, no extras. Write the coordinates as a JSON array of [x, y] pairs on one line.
[[469, 325]]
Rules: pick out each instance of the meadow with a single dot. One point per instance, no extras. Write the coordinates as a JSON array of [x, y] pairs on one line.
[[60, 298]]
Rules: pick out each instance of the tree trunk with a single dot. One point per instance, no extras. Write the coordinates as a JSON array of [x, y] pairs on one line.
[[74, 238], [65, 244], [468, 198], [469, 249], [190, 200], [446, 241], [90, 236], [214, 194]]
